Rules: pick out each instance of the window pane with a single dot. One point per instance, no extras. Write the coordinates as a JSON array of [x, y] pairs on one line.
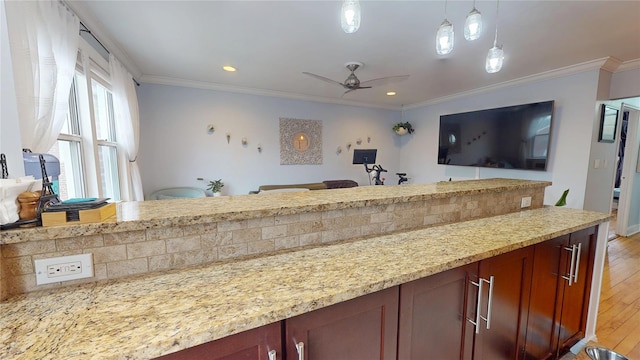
[[109, 171], [103, 112], [71, 124], [70, 182]]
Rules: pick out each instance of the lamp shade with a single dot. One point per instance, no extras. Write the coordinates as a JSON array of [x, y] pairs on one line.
[[473, 25], [350, 16], [495, 57], [444, 38]]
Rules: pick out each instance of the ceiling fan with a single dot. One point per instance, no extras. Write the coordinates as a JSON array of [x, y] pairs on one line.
[[352, 82]]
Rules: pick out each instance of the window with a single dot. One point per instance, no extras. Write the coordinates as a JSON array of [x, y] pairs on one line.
[[106, 140], [87, 145], [68, 150]]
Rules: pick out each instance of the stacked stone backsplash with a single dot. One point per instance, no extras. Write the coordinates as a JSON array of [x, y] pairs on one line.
[[126, 253]]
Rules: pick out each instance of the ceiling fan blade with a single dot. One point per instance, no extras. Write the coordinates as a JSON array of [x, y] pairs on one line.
[[384, 80], [324, 79], [348, 91], [354, 89]]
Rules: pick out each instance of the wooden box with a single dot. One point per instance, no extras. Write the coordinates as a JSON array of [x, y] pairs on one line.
[[79, 217]]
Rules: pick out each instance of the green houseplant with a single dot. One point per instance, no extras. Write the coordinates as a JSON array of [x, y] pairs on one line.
[[403, 128], [215, 186]]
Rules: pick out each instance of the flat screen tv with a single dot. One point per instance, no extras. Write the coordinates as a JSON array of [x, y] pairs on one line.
[[513, 137]]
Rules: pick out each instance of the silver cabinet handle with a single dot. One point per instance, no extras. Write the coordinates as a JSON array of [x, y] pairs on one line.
[[478, 305], [570, 277], [479, 316], [577, 267], [300, 348], [272, 355], [490, 303]]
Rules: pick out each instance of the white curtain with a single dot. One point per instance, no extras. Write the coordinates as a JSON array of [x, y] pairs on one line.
[[125, 109], [43, 36]]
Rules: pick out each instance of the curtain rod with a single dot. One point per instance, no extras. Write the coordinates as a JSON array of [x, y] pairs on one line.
[[86, 29]]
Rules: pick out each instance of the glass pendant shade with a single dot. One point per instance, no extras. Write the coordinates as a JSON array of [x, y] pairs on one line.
[[444, 38], [473, 25], [495, 57], [350, 16]]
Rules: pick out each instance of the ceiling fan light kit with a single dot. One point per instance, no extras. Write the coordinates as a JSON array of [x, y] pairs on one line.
[[350, 16]]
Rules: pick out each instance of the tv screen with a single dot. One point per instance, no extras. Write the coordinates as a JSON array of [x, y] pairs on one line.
[[364, 156], [513, 137]]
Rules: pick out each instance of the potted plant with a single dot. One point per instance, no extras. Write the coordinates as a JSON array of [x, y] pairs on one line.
[[215, 186], [403, 128]]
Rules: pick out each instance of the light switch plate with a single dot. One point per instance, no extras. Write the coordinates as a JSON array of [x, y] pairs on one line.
[[525, 202]]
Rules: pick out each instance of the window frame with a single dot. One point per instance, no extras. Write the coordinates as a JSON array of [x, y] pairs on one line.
[[90, 67]]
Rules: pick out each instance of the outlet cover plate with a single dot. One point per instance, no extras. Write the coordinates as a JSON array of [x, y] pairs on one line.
[[64, 268], [525, 202]]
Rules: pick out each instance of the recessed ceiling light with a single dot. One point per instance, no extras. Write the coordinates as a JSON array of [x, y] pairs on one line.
[[229, 68], [391, 93]]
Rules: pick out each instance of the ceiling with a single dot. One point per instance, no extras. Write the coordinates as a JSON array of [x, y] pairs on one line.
[[272, 42]]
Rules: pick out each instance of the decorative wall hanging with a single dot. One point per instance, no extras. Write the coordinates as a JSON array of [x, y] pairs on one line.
[[300, 142]]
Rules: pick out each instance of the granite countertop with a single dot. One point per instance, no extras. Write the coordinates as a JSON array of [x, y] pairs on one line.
[[139, 215], [147, 316]]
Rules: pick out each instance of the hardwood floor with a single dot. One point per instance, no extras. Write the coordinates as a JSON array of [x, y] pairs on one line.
[[618, 325]]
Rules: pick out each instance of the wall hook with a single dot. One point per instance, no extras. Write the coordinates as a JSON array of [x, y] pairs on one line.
[[260, 148], [244, 141], [359, 141], [368, 139], [348, 146], [210, 129], [339, 150], [228, 137]]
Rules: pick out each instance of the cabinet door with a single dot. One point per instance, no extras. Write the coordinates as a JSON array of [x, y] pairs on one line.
[[364, 328], [255, 344], [503, 336], [575, 302], [547, 287], [433, 316]]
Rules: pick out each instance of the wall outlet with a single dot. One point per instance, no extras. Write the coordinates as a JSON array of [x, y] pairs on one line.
[[525, 202], [63, 268]]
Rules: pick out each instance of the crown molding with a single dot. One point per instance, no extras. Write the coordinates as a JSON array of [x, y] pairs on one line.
[[610, 64], [629, 65], [551, 74], [163, 80]]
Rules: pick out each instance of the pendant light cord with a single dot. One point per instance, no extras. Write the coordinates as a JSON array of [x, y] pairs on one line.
[[495, 40]]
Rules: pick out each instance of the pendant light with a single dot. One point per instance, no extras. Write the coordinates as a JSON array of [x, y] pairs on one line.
[[350, 16], [444, 36], [473, 24], [495, 57]]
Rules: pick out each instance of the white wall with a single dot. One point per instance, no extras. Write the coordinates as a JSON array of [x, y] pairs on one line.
[[175, 147], [10, 143], [574, 97], [625, 84]]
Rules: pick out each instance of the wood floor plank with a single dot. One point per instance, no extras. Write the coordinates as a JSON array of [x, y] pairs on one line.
[[618, 325]]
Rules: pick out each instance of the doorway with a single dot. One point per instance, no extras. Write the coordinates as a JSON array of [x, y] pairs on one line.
[[626, 192]]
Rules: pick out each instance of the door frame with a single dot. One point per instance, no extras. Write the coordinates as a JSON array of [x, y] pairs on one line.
[[632, 146]]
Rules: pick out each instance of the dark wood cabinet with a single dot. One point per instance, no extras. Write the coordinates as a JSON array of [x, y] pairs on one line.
[[433, 316], [531, 303], [575, 300], [544, 313], [364, 328], [263, 343], [503, 335], [560, 291], [478, 311]]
